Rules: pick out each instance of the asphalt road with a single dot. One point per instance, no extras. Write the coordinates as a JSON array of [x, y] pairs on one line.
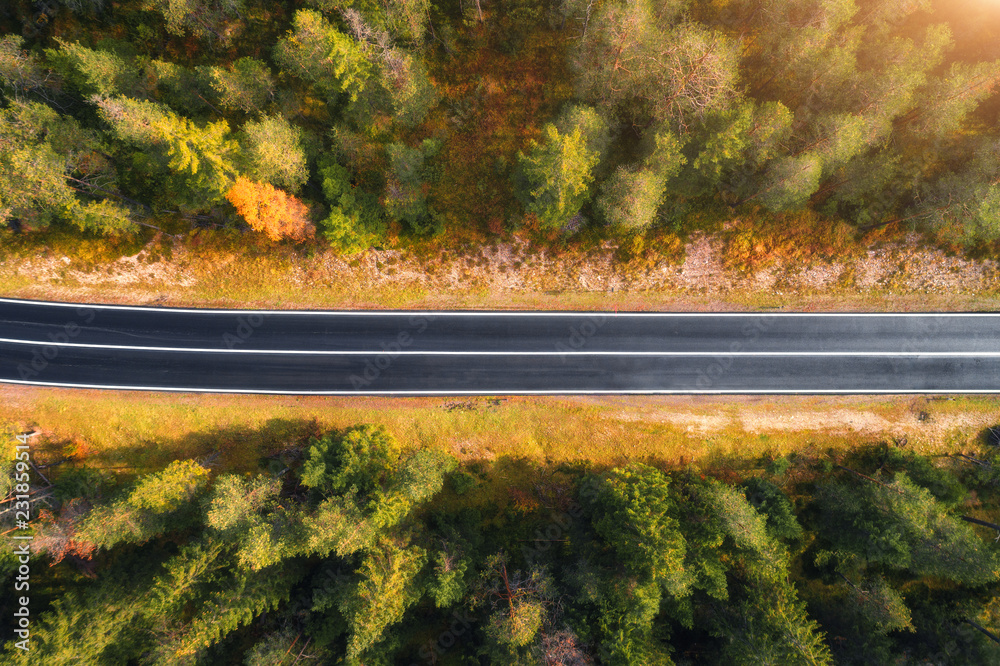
[[412, 353]]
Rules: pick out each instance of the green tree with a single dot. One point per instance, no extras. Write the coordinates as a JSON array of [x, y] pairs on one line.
[[556, 174], [965, 200], [322, 55], [771, 627], [765, 621], [49, 167], [272, 151], [246, 86], [356, 219], [205, 19], [948, 100], [236, 504], [111, 69], [632, 196], [182, 88], [103, 624], [239, 600], [635, 60], [387, 587], [21, 72], [359, 461], [518, 605], [635, 515], [901, 526], [449, 585], [402, 86], [150, 508], [200, 158], [769, 500], [407, 184]]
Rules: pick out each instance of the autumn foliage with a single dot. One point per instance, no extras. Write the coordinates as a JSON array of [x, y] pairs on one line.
[[270, 210]]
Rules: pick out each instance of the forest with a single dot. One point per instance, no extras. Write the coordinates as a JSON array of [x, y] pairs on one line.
[[346, 546], [354, 124], [350, 122]]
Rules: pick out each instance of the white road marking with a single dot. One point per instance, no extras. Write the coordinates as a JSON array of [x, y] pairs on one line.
[[412, 352], [511, 392], [501, 313]]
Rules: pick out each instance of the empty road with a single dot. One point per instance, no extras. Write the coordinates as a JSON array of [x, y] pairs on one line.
[[461, 353]]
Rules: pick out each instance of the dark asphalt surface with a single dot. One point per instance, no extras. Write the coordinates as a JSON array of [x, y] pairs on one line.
[[413, 353]]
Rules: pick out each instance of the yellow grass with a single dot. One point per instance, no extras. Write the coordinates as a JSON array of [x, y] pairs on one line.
[[133, 432], [220, 269]]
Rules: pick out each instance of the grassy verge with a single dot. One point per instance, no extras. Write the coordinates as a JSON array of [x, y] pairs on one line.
[[738, 265], [132, 432]]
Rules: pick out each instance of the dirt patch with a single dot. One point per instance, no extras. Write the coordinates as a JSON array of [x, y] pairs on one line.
[[702, 267], [700, 424], [469, 451], [841, 420], [870, 418], [137, 269]]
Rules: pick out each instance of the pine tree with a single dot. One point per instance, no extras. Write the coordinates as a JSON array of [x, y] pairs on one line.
[[635, 515], [319, 53], [179, 87], [240, 599], [46, 162], [237, 503], [106, 71], [246, 86], [356, 219], [200, 158], [406, 184], [272, 151], [149, 509], [21, 73], [899, 525], [632, 196], [401, 85], [556, 173], [205, 19], [387, 587], [635, 62]]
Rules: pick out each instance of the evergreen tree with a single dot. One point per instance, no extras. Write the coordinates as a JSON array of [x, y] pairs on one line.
[[48, 164], [900, 526], [179, 87], [201, 159], [636, 61], [205, 19], [247, 86], [21, 73], [556, 173], [151, 507], [406, 184], [356, 218], [319, 53], [635, 515], [631, 198], [106, 71], [272, 151], [387, 587]]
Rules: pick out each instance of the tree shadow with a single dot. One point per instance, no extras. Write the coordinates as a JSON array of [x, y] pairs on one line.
[[229, 449], [989, 437]]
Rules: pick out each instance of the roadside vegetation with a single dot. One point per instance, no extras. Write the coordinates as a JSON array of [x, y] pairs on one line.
[[350, 546], [632, 154]]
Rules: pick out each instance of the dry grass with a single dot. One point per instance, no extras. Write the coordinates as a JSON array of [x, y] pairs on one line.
[[720, 271], [131, 432]]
